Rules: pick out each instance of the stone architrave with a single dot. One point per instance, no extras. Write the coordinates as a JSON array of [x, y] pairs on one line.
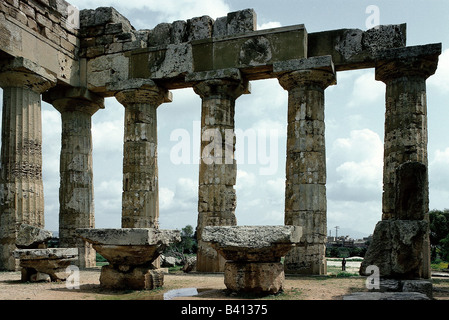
[[21, 184], [76, 191], [404, 71], [305, 188], [218, 168], [140, 201]]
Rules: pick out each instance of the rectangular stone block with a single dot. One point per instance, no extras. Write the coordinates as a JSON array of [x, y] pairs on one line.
[[260, 48]]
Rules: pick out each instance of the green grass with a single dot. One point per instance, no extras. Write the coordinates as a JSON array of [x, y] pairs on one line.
[[439, 266]]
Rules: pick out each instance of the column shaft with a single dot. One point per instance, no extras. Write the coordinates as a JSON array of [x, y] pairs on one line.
[[22, 190], [404, 71], [76, 190], [140, 200], [305, 188], [140, 172], [218, 169]]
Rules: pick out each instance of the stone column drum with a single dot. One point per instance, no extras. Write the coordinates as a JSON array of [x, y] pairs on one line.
[[140, 201], [305, 188], [21, 184], [76, 191], [218, 169]]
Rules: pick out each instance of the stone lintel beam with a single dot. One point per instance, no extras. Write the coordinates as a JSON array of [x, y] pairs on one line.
[[421, 61], [353, 48], [21, 72]]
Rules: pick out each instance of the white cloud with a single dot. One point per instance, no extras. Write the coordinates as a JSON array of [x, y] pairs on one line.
[[166, 197], [269, 25], [358, 163], [366, 90], [439, 170]]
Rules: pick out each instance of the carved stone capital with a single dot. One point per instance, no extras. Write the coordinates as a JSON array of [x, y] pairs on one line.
[[302, 78], [221, 89], [20, 72], [144, 91], [417, 61], [74, 100]]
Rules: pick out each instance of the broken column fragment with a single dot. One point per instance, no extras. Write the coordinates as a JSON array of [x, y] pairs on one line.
[[52, 261], [39, 262], [130, 253], [31, 237], [253, 255]]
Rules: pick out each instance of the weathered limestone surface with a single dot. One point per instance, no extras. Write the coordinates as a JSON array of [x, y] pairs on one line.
[[30, 237], [76, 191], [397, 249], [140, 201], [52, 261], [406, 192], [42, 32], [404, 71], [253, 255], [247, 243], [218, 168], [305, 194], [130, 252], [22, 196]]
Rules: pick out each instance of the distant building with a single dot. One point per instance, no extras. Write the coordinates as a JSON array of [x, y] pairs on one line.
[[347, 242]]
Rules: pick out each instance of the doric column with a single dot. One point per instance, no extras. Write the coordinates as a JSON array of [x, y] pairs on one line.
[[404, 71], [218, 168], [76, 191], [305, 188], [140, 201], [21, 184]]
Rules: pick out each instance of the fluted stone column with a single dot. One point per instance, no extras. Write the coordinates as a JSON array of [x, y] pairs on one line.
[[21, 184], [404, 71], [305, 188], [218, 168], [140, 201], [76, 191]]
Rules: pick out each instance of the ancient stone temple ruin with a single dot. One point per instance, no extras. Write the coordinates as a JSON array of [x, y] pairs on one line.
[[45, 54]]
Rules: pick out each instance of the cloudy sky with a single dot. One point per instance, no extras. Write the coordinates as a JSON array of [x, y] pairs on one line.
[[354, 122]]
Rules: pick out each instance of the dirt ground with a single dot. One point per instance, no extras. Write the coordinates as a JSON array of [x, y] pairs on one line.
[[209, 287]]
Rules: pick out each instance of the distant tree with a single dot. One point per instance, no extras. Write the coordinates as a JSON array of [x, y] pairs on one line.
[[439, 234], [188, 243]]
